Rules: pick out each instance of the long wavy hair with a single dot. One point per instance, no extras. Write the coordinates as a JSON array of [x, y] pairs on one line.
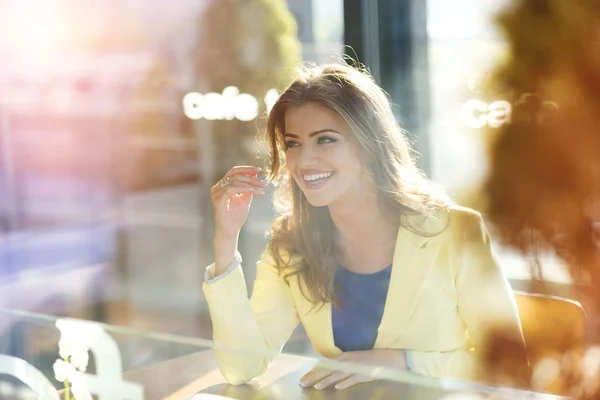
[[308, 232]]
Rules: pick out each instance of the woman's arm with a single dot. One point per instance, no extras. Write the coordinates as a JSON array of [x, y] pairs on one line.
[[255, 330], [247, 334]]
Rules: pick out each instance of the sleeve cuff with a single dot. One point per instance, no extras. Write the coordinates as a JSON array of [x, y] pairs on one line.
[[210, 270], [409, 360]]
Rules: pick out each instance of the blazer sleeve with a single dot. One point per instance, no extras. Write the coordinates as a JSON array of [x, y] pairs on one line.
[[485, 301], [250, 333]]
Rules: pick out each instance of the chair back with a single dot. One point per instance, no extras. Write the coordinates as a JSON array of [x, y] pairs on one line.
[[552, 326]]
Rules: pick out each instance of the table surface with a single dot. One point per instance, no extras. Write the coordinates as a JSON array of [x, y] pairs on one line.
[[182, 377]]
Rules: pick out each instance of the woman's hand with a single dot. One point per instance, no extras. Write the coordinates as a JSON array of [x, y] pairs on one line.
[[322, 378], [231, 198]]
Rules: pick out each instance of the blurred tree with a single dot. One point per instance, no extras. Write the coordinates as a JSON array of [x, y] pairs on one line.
[[544, 188], [160, 149], [249, 44], [543, 191]]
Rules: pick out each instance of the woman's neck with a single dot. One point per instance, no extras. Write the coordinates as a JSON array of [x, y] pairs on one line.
[[363, 228]]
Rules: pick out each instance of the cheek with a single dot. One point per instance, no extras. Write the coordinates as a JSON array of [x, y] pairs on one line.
[[347, 159], [290, 159]]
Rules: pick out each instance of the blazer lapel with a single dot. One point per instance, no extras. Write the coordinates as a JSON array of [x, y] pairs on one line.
[[320, 322], [317, 324], [414, 257]]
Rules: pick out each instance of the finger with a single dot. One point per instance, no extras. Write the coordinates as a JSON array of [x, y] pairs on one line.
[[244, 170], [224, 193], [251, 180], [351, 381], [221, 198], [314, 376], [332, 379], [236, 189]]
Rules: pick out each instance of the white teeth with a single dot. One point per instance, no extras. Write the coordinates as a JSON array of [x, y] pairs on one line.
[[314, 177]]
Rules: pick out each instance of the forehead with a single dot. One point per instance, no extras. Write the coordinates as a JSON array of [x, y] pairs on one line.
[[311, 117]]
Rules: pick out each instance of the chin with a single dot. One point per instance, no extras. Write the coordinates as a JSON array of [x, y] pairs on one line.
[[318, 201]]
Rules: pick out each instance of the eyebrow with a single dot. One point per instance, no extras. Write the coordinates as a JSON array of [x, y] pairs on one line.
[[312, 133]]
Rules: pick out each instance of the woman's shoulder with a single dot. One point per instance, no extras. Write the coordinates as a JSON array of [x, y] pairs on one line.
[[467, 226], [453, 220]]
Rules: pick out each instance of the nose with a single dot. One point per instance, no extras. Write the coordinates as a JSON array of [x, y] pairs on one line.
[[308, 156]]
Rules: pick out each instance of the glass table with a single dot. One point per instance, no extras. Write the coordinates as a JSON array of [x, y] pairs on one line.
[[48, 357]]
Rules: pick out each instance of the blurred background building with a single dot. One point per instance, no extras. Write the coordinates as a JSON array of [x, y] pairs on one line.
[[116, 118]]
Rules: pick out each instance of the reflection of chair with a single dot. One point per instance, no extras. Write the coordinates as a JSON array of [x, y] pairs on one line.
[[552, 325]]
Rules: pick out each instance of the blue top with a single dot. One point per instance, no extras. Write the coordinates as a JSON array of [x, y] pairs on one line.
[[362, 296]]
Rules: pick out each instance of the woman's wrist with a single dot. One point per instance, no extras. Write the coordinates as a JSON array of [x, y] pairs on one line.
[[397, 358], [225, 252], [210, 275]]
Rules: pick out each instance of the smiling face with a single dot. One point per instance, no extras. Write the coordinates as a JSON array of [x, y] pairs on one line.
[[322, 156]]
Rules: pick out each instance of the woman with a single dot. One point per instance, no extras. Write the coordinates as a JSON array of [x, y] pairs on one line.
[[377, 265]]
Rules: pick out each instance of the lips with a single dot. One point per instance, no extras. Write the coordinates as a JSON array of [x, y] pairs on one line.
[[316, 179]]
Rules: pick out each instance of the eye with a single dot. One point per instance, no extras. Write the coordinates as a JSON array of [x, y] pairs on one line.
[[326, 139], [291, 143]]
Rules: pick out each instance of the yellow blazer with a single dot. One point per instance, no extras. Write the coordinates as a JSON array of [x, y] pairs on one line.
[[445, 292]]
